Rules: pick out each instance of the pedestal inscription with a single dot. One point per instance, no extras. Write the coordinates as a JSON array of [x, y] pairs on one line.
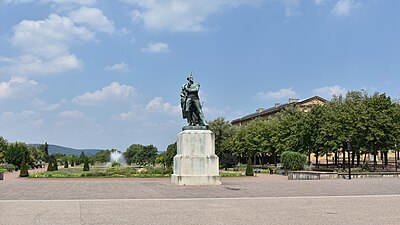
[[196, 162]]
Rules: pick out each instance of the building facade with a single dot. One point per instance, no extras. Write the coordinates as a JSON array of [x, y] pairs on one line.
[[304, 105]]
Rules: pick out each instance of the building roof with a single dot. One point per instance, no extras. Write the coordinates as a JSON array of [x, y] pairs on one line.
[[277, 108]]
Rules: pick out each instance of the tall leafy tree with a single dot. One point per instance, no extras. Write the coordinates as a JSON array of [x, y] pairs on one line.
[[142, 155], [3, 149], [16, 152]]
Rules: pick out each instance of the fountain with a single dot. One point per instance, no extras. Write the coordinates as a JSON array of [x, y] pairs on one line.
[[116, 156]]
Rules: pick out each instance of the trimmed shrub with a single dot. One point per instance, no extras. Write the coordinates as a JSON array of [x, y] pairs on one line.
[[24, 169], [55, 164], [72, 163], [293, 160], [249, 168], [86, 164], [115, 164], [66, 163]]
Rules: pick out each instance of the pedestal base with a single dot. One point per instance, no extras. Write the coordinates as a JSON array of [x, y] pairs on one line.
[[195, 180], [196, 162]]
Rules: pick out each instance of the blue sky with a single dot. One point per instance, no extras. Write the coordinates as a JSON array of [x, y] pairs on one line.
[[107, 74]]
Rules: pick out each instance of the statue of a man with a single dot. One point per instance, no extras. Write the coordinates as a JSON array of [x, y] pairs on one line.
[[190, 103]]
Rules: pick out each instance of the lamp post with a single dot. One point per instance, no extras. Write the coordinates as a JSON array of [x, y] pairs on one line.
[[395, 156], [348, 150]]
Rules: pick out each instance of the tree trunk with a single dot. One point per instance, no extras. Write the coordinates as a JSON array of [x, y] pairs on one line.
[[275, 161], [336, 158], [358, 158], [385, 154], [375, 153], [309, 157], [365, 157], [353, 156], [344, 159], [316, 159]]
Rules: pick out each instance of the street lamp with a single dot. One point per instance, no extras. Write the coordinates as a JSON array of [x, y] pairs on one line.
[[348, 150], [395, 156]]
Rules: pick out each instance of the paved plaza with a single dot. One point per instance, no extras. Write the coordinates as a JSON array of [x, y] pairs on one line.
[[264, 199]]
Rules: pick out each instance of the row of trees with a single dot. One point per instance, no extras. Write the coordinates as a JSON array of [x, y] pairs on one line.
[[371, 123]]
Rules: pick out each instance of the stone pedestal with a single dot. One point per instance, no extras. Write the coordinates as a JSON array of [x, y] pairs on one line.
[[196, 162]]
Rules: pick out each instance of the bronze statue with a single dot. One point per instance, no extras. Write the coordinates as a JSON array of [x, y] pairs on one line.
[[190, 104]]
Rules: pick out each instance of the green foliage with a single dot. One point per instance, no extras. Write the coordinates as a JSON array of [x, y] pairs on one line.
[[293, 160], [141, 155], [52, 166], [102, 156], [115, 164], [9, 167], [24, 169], [3, 149], [249, 168], [148, 171], [86, 164], [16, 152], [82, 157], [166, 158], [222, 130], [66, 162]]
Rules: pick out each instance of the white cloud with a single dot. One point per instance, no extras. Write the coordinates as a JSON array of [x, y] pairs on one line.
[[44, 106], [48, 38], [70, 2], [157, 104], [18, 87], [121, 67], [281, 94], [328, 92], [156, 47], [29, 64], [93, 18], [114, 91], [45, 46], [74, 114], [23, 114], [17, 1], [60, 2], [179, 15], [344, 7]]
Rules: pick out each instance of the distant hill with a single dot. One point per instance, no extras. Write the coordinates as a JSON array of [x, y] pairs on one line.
[[54, 149]]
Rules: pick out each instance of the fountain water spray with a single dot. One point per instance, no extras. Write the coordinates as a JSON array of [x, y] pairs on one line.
[[117, 156]]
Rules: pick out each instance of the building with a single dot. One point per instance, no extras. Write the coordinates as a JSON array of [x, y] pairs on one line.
[[305, 105]]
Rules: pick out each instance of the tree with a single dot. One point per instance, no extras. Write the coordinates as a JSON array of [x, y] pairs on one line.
[[86, 164], [16, 152], [24, 169], [102, 156], [82, 157], [170, 154], [293, 160], [141, 155], [53, 165], [222, 130], [249, 168], [66, 162], [3, 149]]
